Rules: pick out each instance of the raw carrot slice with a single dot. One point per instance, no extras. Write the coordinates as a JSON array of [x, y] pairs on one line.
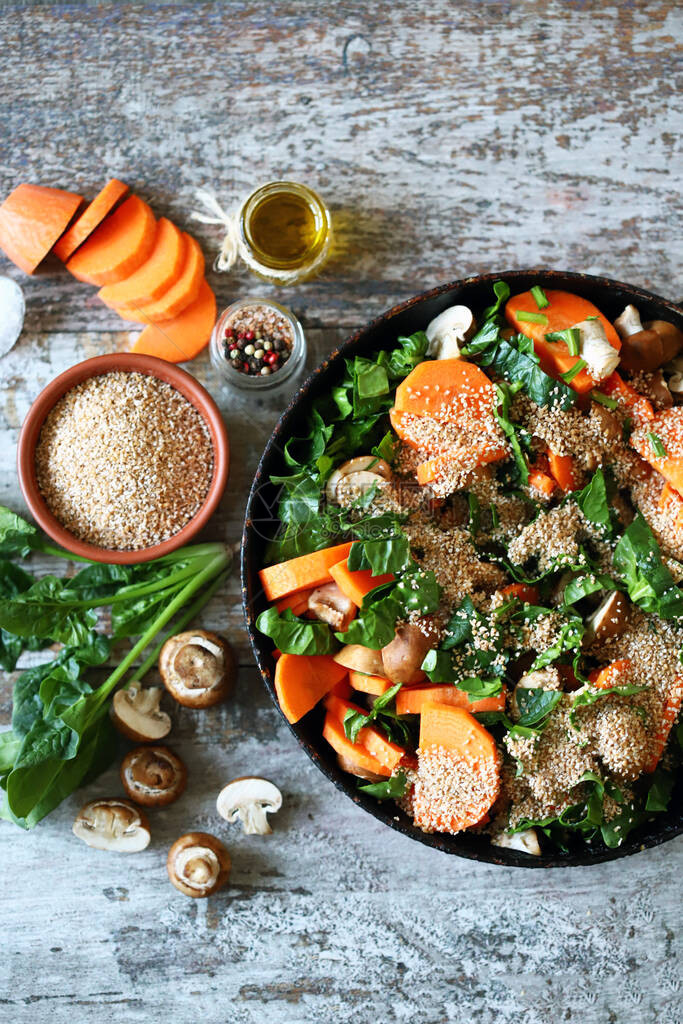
[[376, 685], [463, 460], [672, 709], [563, 310], [154, 276], [333, 731], [356, 583], [411, 699], [665, 428], [387, 753], [447, 390], [617, 673], [180, 294], [524, 591], [616, 387], [118, 247], [541, 481], [31, 220], [562, 471], [302, 572], [91, 218], [458, 776], [185, 336], [301, 680], [298, 602]]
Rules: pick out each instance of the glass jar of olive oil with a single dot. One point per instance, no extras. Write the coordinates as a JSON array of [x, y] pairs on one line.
[[285, 232]]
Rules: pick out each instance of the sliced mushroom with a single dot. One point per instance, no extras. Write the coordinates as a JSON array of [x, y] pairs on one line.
[[448, 331], [600, 357], [674, 372], [360, 659], [153, 776], [347, 765], [249, 800], [544, 678], [524, 842], [330, 605], [628, 322], [658, 390], [608, 425], [403, 656], [609, 618], [198, 864], [356, 476], [198, 668], [113, 824], [135, 712], [672, 337]]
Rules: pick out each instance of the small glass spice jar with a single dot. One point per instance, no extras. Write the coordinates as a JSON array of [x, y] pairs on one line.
[[257, 344], [285, 232]]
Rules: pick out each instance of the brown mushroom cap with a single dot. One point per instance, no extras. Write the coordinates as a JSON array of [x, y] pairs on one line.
[[610, 617], [330, 605], [655, 345], [198, 864], [198, 668], [153, 776], [672, 337], [403, 656], [360, 659]]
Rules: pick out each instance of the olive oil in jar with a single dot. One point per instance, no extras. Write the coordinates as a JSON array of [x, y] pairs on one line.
[[285, 232]]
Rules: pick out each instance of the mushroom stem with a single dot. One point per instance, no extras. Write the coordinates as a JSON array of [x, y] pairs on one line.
[[254, 819]]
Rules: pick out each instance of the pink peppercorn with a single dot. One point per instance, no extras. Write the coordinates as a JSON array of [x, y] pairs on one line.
[[248, 335]]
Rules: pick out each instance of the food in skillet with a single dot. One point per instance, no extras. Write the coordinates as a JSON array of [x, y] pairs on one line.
[[478, 571]]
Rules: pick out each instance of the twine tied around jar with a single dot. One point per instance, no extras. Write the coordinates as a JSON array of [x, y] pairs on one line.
[[227, 257]]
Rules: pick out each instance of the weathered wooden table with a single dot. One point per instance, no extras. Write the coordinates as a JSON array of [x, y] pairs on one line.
[[448, 138]]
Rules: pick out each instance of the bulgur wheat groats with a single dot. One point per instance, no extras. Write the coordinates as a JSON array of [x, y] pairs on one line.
[[124, 461]]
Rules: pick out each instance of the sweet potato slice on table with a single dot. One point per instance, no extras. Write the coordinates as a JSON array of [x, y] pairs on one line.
[[31, 220], [299, 573], [181, 293], [356, 583], [333, 731], [411, 699], [458, 776], [301, 680], [155, 275], [184, 336], [91, 218], [118, 247], [666, 427], [564, 310]]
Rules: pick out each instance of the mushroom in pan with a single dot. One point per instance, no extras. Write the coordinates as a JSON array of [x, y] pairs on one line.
[[525, 842], [249, 800], [674, 372], [112, 825], [403, 656], [198, 668], [135, 712], [600, 357], [356, 476], [153, 776], [609, 618], [352, 768], [330, 605], [447, 332], [198, 864], [646, 347], [360, 659]]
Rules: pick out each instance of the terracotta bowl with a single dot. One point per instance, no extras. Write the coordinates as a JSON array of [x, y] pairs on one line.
[[261, 522], [126, 361]]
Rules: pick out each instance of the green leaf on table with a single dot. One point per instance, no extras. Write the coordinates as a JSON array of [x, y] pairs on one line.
[[17, 537]]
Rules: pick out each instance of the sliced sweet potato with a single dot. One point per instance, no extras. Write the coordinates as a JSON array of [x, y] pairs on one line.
[[185, 336], [154, 276], [462, 460], [298, 601], [672, 709], [453, 728], [564, 310], [356, 583], [387, 753], [621, 391], [376, 685], [563, 471], [448, 390], [333, 731], [617, 673], [411, 699], [31, 220], [117, 247], [525, 592], [90, 219], [301, 680], [181, 294], [306, 571], [665, 428]]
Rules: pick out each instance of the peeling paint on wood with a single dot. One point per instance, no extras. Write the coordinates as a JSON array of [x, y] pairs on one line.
[[448, 139]]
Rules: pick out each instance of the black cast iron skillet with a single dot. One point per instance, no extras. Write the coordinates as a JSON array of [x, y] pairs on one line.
[[475, 292]]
